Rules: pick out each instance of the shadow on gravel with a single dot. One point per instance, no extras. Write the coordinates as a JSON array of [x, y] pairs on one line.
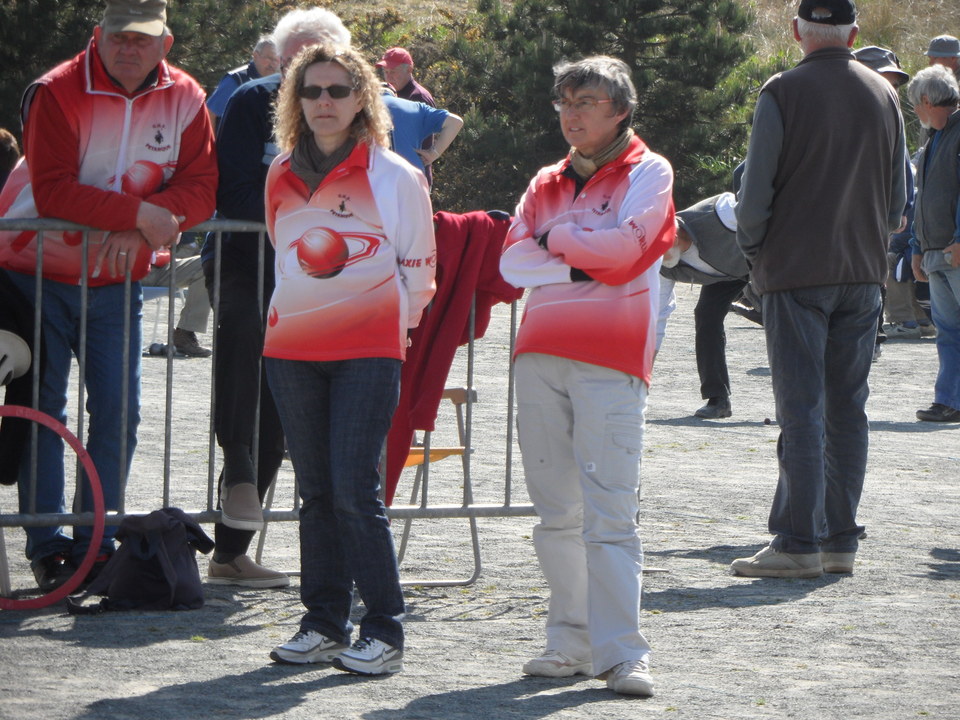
[[909, 425], [269, 691], [693, 421], [525, 698], [740, 592], [227, 613], [949, 568]]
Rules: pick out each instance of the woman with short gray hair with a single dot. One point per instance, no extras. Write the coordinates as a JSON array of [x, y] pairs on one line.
[[587, 239]]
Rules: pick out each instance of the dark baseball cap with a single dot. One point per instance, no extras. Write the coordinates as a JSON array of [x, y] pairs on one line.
[[828, 12], [881, 60]]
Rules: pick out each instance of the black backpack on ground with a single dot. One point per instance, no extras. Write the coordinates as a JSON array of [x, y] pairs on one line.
[[155, 567]]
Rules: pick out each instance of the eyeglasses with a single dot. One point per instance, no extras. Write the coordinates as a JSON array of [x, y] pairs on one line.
[[582, 105], [315, 92]]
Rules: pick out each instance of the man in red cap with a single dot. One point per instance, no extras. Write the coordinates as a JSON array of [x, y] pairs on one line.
[[397, 67]]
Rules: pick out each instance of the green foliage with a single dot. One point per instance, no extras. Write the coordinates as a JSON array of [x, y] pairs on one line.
[[695, 76], [499, 70], [35, 35], [211, 36]]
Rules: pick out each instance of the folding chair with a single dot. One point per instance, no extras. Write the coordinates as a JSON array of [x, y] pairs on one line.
[[422, 457]]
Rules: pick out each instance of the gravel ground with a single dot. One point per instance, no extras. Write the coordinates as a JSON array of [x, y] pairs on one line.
[[879, 644]]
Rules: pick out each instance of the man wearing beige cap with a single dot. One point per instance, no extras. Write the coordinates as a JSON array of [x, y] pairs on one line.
[[115, 139], [945, 50]]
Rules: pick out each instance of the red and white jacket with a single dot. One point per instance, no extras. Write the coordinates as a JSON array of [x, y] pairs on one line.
[[615, 229], [92, 152], [355, 261]]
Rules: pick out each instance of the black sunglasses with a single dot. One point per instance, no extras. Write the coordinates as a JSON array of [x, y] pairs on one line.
[[315, 92]]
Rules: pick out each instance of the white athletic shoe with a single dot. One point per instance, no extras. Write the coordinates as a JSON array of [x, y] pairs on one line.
[[369, 656], [631, 678], [307, 647], [554, 663]]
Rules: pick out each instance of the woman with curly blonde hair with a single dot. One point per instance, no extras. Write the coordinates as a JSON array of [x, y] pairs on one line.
[[371, 125], [352, 227]]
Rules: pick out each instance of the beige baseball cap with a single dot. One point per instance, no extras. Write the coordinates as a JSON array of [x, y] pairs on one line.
[[141, 16]]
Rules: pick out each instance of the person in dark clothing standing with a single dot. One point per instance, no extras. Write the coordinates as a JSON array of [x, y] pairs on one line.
[[246, 148], [823, 186]]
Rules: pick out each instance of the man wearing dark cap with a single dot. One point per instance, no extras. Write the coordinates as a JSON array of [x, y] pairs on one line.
[[115, 139], [945, 50], [822, 188], [908, 320]]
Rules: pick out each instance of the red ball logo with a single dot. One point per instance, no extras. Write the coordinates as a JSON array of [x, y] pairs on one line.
[[142, 179], [322, 252]]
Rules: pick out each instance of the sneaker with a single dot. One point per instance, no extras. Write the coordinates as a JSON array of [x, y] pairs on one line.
[[554, 663], [837, 562], [899, 331], [240, 507], [938, 412], [770, 562], [716, 408], [243, 571], [186, 343], [928, 331], [52, 571], [307, 647], [631, 678], [369, 656]]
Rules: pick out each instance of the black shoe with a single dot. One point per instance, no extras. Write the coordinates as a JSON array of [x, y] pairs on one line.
[[939, 413], [98, 565], [186, 343], [53, 571], [716, 408], [751, 314]]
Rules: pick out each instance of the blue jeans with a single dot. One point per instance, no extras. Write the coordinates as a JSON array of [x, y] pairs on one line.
[[335, 416], [820, 347], [945, 308], [103, 380]]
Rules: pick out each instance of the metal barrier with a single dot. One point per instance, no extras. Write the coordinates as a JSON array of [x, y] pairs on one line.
[[499, 505]]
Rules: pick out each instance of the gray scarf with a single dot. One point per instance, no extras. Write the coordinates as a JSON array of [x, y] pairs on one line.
[[310, 164], [585, 167]]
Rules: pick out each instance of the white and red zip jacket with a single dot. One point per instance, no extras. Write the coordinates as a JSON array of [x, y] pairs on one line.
[[615, 230], [93, 151], [355, 260]]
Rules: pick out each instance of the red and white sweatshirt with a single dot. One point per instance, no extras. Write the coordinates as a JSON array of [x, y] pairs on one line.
[[93, 152], [355, 261], [615, 230]]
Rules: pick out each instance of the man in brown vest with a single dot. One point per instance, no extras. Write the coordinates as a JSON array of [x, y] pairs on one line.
[[823, 186]]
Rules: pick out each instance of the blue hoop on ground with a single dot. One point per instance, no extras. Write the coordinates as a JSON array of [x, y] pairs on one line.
[[18, 411]]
